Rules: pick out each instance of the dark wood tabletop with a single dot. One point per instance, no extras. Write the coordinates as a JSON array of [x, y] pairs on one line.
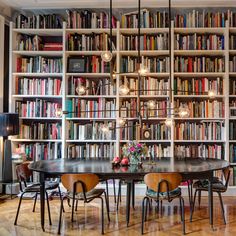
[[104, 167]]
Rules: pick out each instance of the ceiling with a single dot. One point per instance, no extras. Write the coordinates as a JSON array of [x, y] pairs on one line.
[[57, 4]]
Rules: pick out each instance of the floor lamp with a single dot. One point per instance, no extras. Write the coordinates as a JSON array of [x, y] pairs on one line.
[[9, 125]]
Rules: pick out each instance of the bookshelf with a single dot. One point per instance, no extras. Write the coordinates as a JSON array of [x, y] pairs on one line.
[[195, 43]]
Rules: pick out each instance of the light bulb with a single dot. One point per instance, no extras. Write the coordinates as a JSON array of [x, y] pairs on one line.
[[184, 111], [105, 128], [168, 122], [143, 70], [151, 104], [123, 90], [211, 93], [121, 121], [58, 112], [81, 90], [106, 56]]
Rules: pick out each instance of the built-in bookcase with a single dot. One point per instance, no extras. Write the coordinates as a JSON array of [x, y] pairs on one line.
[[202, 58]]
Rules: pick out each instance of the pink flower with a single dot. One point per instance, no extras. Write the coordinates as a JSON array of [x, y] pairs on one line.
[[139, 145], [132, 149]]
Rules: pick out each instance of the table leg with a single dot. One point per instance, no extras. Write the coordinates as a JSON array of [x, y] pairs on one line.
[[133, 194], [42, 198], [210, 198], [129, 186]]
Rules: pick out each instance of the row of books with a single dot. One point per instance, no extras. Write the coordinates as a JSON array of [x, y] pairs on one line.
[[40, 131], [51, 21], [91, 151], [36, 43], [204, 18], [155, 64], [232, 42], [199, 150], [153, 86], [232, 87], [37, 108], [198, 86], [130, 131], [128, 108], [232, 64], [199, 64], [91, 131], [38, 86], [232, 153], [204, 109], [88, 19], [199, 42], [147, 42], [232, 130], [91, 42], [82, 108], [158, 109], [39, 64], [41, 151], [158, 151], [199, 131], [87, 64], [148, 19], [98, 86], [232, 109], [159, 131]]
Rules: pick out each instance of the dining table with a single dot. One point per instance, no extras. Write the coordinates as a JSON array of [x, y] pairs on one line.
[[189, 168]]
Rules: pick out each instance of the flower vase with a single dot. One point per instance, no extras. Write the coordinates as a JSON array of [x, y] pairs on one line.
[[134, 160]]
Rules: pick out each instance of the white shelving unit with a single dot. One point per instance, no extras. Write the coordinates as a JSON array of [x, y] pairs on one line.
[[119, 53]]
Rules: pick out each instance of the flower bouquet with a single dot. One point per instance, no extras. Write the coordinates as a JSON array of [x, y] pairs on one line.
[[135, 152]]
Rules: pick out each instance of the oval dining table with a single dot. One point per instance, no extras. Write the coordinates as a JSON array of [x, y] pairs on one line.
[[189, 168]]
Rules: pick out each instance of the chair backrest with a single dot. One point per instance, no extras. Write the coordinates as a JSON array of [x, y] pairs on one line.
[[89, 181], [226, 174], [164, 181], [23, 173]]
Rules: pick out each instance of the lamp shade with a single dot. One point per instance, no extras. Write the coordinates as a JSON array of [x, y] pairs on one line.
[[9, 124]]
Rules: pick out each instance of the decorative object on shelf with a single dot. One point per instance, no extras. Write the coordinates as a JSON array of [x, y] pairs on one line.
[[76, 65], [124, 161], [116, 161], [135, 152], [9, 125]]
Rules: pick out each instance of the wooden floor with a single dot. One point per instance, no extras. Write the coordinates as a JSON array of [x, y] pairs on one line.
[[87, 220]]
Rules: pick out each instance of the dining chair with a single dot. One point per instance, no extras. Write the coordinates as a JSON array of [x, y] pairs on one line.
[[162, 186], [82, 187], [24, 175], [218, 186]]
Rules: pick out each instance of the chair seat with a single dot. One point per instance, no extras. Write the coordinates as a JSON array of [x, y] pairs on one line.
[[217, 185], [36, 186], [97, 192], [163, 195]]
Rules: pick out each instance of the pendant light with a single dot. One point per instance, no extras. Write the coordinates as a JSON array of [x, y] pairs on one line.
[[107, 55]]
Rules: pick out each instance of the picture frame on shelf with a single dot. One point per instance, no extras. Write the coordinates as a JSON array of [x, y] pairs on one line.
[[76, 65]]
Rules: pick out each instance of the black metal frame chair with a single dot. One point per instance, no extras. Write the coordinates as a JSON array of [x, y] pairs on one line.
[[24, 174], [163, 189], [80, 189], [217, 187]]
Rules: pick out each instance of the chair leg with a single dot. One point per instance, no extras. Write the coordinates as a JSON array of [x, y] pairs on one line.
[[182, 213], [118, 196], [76, 205], [107, 190], [49, 214], [114, 189], [72, 212], [180, 208], [192, 209], [59, 190], [18, 209], [107, 206], [222, 207], [143, 214], [102, 214], [199, 198], [146, 208], [59, 224], [35, 200]]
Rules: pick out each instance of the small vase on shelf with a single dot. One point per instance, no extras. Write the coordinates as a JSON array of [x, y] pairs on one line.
[[134, 160]]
